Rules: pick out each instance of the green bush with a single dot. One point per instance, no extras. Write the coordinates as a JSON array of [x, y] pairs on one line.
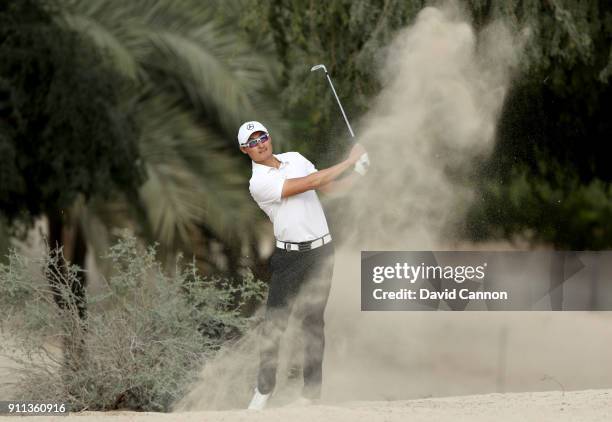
[[143, 342], [551, 206]]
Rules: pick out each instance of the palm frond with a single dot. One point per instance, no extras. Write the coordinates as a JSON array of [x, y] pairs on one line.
[[193, 181], [182, 44], [197, 82], [123, 59], [210, 83]]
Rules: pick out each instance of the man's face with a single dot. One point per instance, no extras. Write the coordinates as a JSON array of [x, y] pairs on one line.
[[262, 151]]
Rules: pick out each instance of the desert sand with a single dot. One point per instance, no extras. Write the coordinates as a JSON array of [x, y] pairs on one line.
[[579, 406], [418, 366]]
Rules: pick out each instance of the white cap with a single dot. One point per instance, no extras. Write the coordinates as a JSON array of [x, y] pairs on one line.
[[247, 129]]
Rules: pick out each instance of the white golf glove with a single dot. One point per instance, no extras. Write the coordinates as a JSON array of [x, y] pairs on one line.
[[363, 164]]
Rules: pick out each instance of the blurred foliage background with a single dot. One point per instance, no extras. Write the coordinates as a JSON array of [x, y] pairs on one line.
[[549, 178], [121, 114]]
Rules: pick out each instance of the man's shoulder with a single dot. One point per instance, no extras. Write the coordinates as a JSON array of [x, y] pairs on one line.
[[259, 178]]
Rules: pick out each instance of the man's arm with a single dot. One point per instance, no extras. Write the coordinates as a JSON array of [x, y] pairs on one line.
[[322, 177], [340, 186]]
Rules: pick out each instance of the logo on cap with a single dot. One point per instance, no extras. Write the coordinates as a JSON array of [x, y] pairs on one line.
[[250, 126]]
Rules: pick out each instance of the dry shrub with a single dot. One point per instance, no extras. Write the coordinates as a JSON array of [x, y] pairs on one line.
[[143, 341]]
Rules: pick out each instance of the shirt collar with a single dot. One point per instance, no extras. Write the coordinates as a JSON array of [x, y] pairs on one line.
[[262, 168]]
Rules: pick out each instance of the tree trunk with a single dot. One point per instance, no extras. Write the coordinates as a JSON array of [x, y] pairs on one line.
[[71, 240], [5, 243], [78, 256]]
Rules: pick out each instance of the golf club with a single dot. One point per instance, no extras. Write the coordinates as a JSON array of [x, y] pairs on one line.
[[322, 66], [362, 165]]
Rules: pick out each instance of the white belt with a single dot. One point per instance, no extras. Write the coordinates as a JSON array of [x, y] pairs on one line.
[[304, 246]]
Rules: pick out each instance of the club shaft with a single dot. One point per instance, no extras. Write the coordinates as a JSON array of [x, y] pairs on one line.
[[340, 105]]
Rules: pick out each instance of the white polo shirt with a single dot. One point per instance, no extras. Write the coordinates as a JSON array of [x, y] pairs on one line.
[[297, 218]]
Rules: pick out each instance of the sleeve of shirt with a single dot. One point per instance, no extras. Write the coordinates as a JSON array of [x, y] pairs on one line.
[[310, 168], [267, 188]]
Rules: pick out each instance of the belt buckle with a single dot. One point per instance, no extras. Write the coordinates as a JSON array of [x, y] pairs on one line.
[[304, 246]]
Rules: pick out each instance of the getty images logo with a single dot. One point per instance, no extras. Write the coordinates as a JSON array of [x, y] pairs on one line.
[[412, 273]]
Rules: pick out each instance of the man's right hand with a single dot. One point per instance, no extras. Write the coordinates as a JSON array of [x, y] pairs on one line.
[[356, 152]]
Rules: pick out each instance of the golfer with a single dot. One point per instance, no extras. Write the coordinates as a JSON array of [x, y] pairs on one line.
[[284, 186]]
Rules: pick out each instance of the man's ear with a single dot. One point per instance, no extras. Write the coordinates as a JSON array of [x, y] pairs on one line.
[[244, 150]]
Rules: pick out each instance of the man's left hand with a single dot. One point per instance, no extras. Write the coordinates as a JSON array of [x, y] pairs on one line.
[[363, 164]]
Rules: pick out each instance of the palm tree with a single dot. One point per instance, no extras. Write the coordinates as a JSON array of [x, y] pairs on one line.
[[196, 79], [193, 82]]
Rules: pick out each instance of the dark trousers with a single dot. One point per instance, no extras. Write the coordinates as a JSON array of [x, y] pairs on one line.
[[304, 279]]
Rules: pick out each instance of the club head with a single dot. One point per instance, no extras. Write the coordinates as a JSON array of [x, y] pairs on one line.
[[317, 67]]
